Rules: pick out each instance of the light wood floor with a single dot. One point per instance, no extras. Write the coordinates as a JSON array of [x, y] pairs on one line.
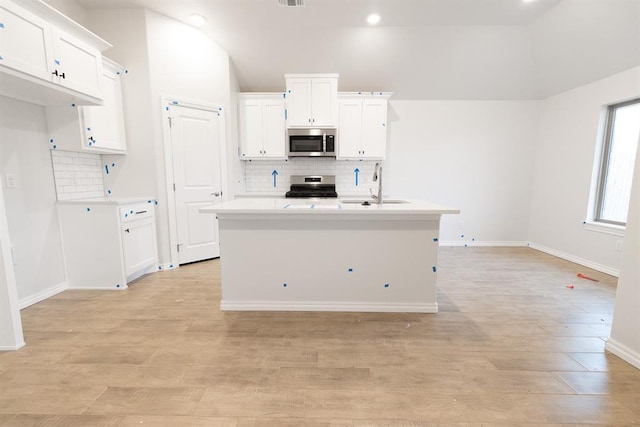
[[512, 345]]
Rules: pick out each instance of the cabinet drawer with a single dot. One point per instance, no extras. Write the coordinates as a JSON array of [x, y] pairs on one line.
[[136, 212]]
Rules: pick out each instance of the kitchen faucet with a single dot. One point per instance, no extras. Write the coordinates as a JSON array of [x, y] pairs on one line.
[[377, 176]]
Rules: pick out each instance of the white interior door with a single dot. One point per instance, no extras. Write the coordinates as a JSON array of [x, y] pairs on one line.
[[195, 144]]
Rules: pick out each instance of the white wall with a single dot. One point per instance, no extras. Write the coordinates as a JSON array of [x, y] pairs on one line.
[[563, 170], [30, 206], [625, 331], [164, 58], [582, 41], [472, 155], [11, 337]]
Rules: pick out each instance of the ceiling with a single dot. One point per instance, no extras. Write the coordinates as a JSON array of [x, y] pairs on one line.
[[421, 49]]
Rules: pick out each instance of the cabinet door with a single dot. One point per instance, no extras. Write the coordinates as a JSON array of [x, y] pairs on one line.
[[250, 128], [138, 246], [374, 128], [299, 102], [25, 41], [324, 102], [104, 125], [78, 65], [273, 126], [350, 129]]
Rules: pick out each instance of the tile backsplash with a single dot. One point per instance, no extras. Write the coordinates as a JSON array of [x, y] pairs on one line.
[[259, 176], [77, 175]]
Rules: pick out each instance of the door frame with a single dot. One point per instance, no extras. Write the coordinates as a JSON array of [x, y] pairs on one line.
[[166, 103]]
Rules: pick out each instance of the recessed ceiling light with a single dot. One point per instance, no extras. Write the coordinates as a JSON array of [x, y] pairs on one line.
[[197, 20], [373, 19]]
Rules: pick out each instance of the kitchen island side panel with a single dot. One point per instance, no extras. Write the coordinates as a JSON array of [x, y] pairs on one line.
[[329, 265]]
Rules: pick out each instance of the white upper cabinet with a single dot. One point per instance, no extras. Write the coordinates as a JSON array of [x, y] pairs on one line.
[[77, 65], [46, 58], [26, 42], [312, 100], [97, 129], [262, 126], [362, 127]]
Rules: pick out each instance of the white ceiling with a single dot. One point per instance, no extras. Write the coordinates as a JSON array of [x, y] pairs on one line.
[[422, 49]]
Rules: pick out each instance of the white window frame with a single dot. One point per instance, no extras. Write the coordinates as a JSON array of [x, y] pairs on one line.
[[594, 222]]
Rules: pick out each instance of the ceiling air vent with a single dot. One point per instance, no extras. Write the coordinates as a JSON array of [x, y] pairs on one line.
[[291, 3]]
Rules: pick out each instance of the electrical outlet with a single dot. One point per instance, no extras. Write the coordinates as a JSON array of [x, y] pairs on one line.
[[10, 179], [619, 245]]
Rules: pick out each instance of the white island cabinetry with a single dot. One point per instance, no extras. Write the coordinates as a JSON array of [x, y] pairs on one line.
[[362, 130], [107, 243], [279, 254], [262, 126]]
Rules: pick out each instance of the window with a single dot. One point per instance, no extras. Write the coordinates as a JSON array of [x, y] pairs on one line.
[[622, 131]]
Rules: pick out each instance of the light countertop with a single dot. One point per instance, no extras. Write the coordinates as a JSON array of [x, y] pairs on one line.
[[108, 201], [341, 207]]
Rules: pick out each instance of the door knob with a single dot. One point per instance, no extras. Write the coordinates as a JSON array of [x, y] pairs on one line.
[[216, 193]]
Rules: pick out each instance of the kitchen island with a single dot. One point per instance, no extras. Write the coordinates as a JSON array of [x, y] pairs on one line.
[[328, 255]]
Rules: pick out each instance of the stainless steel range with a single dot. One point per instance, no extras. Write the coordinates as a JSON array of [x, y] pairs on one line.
[[308, 186]]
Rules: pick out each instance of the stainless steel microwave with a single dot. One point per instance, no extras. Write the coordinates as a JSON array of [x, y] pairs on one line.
[[311, 142]]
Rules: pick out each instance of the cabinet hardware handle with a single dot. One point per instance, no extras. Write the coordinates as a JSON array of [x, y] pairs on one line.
[[62, 75], [55, 72], [140, 212], [126, 230]]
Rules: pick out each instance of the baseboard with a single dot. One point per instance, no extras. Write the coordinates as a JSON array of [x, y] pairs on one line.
[[12, 348], [623, 352], [586, 263], [163, 267], [483, 243], [326, 306], [42, 295]]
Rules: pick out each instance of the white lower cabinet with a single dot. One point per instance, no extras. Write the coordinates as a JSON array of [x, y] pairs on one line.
[[107, 244]]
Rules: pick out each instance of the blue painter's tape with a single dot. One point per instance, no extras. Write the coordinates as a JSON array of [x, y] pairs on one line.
[[131, 212], [465, 245], [126, 71], [106, 168], [284, 285], [113, 165], [156, 202], [350, 270], [386, 285], [174, 102], [287, 205], [73, 105], [89, 129], [285, 114], [473, 240], [55, 146], [159, 267], [108, 191], [148, 201], [284, 95], [118, 285], [435, 239], [126, 215], [1, 58], [313, 206], [57, 62], [51, 141], [434, 268], [1, 25], [219, 108], [462, 236], [88, 209], [166, 108], [170, 265]]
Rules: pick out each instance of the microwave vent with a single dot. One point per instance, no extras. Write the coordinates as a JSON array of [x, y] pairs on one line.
[[291, 3]]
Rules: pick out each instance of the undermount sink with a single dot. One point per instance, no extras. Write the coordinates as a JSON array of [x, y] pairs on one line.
[[373, 202]]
